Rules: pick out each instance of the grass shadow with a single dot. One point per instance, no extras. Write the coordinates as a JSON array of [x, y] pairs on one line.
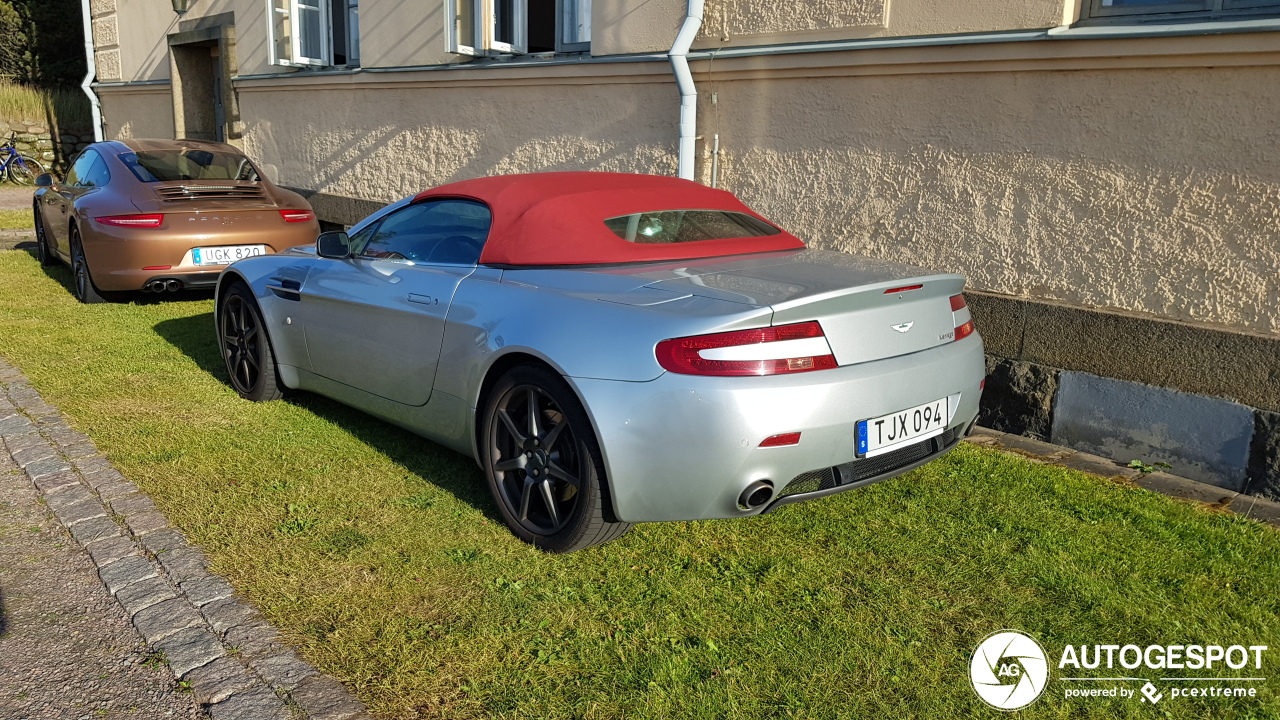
[[4, 616], [196, 338]]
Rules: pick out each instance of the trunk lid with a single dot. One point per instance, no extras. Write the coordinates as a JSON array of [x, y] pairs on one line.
[[860, 302]]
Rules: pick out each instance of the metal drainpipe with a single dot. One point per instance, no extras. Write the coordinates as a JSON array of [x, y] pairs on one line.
[[688, 92], [95, 105]]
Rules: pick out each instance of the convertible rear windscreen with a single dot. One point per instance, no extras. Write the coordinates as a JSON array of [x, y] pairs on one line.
[[165, 165], [682, 226]]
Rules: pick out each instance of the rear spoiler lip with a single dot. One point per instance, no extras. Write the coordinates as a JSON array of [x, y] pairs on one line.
[[955, 280]]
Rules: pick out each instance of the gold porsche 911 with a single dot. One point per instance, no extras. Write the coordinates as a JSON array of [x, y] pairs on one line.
[[162, 215]]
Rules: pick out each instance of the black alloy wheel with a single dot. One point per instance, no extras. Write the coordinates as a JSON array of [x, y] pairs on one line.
[[84, 288], [543, 464], [246, 348], [43, 253]]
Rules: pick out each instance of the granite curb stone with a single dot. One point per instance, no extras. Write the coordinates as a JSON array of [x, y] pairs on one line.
[[161, 581]]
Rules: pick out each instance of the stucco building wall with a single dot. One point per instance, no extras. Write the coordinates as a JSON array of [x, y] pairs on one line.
[[1151, 190], [622, 26], [137, 112]]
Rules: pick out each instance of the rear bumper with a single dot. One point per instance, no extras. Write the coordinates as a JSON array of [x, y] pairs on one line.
[[117, 256], [684, 447]]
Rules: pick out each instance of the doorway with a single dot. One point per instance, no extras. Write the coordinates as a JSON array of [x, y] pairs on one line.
[[201, 65]]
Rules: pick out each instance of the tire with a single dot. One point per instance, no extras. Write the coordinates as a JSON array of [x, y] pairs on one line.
[[544, 468], [23, 170], [43, 253], [86, 292], [246, 349]]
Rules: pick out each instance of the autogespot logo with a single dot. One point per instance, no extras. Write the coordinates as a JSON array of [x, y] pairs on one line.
[[1009, 670]]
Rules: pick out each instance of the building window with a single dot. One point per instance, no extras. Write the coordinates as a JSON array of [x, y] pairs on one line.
[[500, 27], [1158, 10], [313, 33]]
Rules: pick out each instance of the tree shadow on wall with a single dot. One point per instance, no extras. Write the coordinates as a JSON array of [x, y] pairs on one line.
[[433, 463]]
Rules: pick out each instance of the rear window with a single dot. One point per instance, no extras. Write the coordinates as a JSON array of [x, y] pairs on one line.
[[159, 165], [682, 226]]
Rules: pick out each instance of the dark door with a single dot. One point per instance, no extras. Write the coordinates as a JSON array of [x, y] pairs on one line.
[[375, 321]]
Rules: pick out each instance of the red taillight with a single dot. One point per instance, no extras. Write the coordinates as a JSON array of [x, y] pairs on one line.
[[781, 440], [964, 330], [149, 221], [297, 215], [780, 350], [904, 288], [957, 302], [157, 267]]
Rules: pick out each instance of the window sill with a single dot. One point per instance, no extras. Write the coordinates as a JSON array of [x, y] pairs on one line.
[[1137, 28]]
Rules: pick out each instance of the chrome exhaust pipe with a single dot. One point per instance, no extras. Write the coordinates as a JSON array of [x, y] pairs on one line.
[[756, 495], [154, 286], [173, 286]]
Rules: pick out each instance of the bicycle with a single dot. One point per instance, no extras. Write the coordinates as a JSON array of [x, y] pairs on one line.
[[21, 169]]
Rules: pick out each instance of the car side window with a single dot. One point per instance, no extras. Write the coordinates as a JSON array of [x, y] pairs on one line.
[[445, 232], [80, 168], [98, 174]]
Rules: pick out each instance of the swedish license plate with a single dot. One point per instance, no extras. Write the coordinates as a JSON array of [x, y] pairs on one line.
[[890, 432], [225, 255]]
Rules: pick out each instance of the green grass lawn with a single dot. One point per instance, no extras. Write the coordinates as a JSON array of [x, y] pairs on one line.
[[380, 555], [15, 219]]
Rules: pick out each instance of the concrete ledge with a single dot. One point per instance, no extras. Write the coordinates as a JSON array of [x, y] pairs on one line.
[[1194, 358]]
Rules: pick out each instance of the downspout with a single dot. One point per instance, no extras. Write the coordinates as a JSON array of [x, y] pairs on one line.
[[95, 105], [684, 81]]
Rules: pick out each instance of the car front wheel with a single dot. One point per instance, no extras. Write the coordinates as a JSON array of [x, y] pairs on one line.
[[543, 463], [242, 335]]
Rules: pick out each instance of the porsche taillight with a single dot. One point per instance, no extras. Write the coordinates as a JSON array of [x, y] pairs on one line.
[[964, 329], [297, 215], [139, 221], [780, 350]]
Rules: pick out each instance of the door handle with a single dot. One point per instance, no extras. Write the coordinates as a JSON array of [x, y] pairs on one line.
[[423, 299]]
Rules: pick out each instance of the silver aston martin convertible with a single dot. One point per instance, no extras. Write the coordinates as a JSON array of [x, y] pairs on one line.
[[614, 348]]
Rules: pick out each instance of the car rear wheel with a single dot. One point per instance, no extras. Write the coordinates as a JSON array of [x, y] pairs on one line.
[[43, 253], [543, 463], [85, 290], [242, 335]]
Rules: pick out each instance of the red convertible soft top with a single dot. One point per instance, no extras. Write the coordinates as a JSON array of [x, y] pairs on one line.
[[558, 218]]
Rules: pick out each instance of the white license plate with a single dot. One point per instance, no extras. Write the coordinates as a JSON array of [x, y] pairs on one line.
[[890, 432], [225, 255]]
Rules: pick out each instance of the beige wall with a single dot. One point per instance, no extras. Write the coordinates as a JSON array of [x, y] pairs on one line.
[[142, 112], [131, 35], [1134, 174], [1037, 169], [400, 34], [384, 143], [1141, 190], [626, 26]]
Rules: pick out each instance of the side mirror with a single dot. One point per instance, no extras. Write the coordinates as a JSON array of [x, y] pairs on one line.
[[333, 244], [44, 180]]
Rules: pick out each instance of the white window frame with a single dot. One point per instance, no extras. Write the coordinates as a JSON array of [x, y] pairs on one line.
[[1179, 10], [574, 31], [573, 23], [292, 11], [289, 13], [353, 32]]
